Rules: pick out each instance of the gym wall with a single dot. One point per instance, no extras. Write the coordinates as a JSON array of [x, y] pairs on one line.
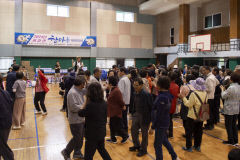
[[197, 14], [114, 39]]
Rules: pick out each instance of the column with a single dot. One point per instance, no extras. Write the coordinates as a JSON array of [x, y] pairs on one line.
[[93, 30], [184, 28], [92, 64], [235, 25], [18, 26]]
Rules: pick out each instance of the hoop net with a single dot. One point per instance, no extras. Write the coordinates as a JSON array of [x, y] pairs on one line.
[[195, 51]]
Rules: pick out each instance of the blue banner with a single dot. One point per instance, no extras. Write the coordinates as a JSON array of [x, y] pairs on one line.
[[35, 39]]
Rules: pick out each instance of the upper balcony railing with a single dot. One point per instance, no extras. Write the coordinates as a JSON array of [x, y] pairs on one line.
[[215, 47]]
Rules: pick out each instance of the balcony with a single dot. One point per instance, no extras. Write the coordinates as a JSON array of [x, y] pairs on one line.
[[223, 50], [166, 49], [231, 49], [215, 47]]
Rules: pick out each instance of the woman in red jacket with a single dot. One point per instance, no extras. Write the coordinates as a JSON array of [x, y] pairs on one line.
[[40, 92], [174, 90], [115, 107]]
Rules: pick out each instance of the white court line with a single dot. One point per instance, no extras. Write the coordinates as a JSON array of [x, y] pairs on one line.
[[44, 146], [18, 149], [178, 127]]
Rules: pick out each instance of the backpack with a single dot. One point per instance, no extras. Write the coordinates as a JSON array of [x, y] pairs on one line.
[[203, 114]]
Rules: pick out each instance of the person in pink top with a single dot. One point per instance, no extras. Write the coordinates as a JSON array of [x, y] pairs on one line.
[[40, 93]]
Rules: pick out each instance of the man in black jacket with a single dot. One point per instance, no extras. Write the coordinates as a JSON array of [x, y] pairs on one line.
[[68, 83], [141, 117], [11, 78], [6, 109]]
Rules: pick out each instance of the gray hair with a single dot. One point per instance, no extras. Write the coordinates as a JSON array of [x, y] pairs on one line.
[[79, 80]]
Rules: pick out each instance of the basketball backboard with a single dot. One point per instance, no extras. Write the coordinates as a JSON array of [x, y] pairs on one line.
[[200, 43]]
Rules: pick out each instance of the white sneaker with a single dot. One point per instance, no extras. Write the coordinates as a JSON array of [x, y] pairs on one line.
[[38, 112], [178, 158], [23, 124], [44, 113], [16, 127]]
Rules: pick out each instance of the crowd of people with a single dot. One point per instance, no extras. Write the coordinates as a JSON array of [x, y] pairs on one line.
[[149, 96]]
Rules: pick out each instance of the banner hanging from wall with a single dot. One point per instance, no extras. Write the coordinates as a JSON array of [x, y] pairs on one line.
[[37, 39]]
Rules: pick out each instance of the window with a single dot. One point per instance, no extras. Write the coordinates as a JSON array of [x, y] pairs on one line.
[[172, 36], [5, 63], [208, 22], [214, 20], [63, 11], [124, 16], [120, 16], [217, 20], [55, 10], [105, 64], [51, 10], [129, 63]]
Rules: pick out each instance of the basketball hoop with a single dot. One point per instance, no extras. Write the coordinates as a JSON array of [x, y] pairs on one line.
[[200, 43]]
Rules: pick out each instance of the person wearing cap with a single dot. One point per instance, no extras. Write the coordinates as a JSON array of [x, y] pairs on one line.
[[193, 127]]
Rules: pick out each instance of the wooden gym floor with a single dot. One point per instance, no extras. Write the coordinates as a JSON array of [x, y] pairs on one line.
[[43, 138]]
